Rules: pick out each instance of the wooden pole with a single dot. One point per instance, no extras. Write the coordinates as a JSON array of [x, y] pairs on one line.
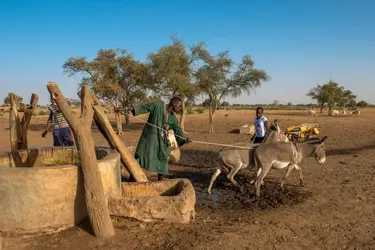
[[95, 199], [100, 125], [117, 117], [126, 156], [26, 121], [14, 123]]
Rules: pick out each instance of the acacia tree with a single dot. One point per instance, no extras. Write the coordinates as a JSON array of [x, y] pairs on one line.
[[220, 77], [319, 94], [113, 75], [348, 99], [333, 95], [171, 69], [362, 104]]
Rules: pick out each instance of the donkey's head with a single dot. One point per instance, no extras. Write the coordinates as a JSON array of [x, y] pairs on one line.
[[276, 134], [318, 149]]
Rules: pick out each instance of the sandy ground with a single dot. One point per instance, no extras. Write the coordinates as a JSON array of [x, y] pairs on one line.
[[334, 210]]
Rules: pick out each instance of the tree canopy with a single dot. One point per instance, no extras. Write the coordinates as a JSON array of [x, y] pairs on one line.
[[332, 94], [171, 69], [220, 76], [113, 75]]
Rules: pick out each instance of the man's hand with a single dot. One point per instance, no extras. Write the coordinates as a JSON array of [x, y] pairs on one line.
[[187, 140], [44, 133]]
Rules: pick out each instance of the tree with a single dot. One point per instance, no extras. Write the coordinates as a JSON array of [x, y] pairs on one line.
[[275, 103], [171, 71], [7, 98], [362, 104], [333, 95], [113, 75], [318, 93], [348, 99], [290, 104], [219, 77], [224, 104]]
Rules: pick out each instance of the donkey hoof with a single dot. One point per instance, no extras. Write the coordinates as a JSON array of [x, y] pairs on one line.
[[301, 184]]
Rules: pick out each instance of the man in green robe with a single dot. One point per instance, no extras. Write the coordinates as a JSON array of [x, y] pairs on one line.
[[153, 148]]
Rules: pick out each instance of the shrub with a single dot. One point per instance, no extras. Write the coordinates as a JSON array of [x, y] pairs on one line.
[[200, 110], [189, 111]]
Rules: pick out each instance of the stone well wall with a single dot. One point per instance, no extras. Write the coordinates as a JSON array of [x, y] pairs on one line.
[[41, 190]]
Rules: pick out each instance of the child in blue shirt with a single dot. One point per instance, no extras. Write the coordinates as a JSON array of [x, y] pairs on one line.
[[261, 125]]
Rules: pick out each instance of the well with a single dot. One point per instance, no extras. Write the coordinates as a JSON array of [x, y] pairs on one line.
[[41, 189], [168, 200]]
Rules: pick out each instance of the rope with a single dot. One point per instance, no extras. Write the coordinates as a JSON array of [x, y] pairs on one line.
[[184, 138]]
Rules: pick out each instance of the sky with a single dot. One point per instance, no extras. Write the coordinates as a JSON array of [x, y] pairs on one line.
[[298, 43]]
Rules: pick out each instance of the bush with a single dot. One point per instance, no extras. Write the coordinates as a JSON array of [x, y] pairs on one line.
[[189, 111], [38, 112], [200, 110]]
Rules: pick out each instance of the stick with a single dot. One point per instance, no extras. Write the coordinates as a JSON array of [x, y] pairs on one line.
[[95, 200], [126, 157], [26, 121], [14, 124]]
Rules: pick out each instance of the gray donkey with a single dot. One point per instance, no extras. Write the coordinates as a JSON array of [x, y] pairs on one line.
[[280, 155], [233, 160]]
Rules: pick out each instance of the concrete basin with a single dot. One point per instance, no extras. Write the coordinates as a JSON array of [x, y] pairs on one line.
[[169, 201], [41, 189]]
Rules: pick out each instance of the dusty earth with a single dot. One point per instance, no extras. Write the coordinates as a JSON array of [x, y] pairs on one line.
[[334, 210]]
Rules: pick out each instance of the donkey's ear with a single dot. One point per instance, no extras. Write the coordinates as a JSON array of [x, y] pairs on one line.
[[276, 125], [323, 139]]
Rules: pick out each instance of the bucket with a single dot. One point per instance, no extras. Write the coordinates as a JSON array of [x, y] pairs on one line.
[[175, 153]]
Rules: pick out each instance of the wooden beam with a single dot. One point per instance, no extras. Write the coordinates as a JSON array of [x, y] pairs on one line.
[[95, 199], [26, 121], [14, 123], [126, 156]]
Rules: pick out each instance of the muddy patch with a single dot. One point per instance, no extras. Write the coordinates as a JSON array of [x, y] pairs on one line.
[[225, 195]]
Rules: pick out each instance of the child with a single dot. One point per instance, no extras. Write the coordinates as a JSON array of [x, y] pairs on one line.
[[261, 126]]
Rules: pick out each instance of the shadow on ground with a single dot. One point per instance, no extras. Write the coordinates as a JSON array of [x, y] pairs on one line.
[[349, 151]]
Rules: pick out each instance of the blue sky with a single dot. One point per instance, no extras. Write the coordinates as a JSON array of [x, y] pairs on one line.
[[299, 43]]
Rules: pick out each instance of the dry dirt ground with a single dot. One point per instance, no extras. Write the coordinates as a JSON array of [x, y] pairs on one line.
[[334, 210]]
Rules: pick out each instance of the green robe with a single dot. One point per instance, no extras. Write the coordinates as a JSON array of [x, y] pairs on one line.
[[153, 149]]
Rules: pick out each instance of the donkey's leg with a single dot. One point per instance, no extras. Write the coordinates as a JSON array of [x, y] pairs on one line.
[[300, 175], [213, 178], [264, 169], [287, 172], [255, 177], [232, 173]]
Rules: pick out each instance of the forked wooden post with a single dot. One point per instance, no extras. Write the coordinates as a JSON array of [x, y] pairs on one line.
[[95, 199], [18, 129], [126, 156]]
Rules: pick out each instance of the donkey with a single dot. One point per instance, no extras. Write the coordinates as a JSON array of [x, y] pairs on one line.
[[232, 160], [279, 155]]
